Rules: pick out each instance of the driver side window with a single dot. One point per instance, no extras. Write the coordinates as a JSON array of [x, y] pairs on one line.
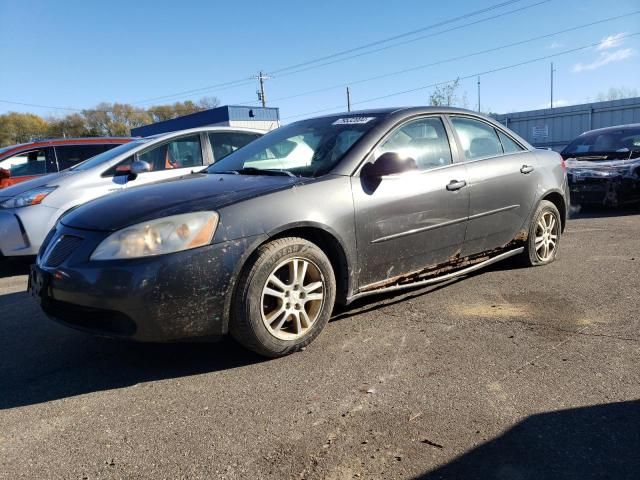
[[182, 152], [424, 140]]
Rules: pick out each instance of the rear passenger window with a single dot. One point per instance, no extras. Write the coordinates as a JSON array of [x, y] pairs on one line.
[[225, 143], [508, 145], [478, 139], [423, 140], [70, 155]]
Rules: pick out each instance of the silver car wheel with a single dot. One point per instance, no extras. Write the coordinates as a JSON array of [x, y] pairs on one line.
[[292, 298], [546, 236]]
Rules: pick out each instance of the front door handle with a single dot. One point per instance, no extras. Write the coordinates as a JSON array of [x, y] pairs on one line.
[[526, 169], [456, 185]]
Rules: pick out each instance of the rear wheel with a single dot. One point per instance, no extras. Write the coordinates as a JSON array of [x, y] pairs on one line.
[[544, 235], [284, 298]]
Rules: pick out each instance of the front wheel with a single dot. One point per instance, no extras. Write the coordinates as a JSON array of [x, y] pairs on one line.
[[544, 235], [284, 298]]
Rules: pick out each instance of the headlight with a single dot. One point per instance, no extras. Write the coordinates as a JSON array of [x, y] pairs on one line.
[[30, 197], [160, 236]]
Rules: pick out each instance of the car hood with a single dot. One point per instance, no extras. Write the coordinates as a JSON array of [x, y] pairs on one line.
[[196, 192], [39, 181]]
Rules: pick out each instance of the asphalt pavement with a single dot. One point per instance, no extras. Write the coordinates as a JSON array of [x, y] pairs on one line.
[[509, 373]]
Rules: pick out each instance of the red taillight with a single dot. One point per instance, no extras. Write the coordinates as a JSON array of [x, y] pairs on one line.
[[564, 164]]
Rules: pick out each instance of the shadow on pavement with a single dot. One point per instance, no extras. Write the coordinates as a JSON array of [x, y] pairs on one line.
[[42, 361], [11, 267], [601, 441]]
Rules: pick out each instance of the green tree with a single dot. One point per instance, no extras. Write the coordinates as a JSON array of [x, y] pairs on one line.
[[106, 119], [72, 125], [21, 127]]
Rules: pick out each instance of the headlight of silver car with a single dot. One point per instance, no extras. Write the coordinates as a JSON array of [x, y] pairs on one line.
[[30, 197], [160, 236]]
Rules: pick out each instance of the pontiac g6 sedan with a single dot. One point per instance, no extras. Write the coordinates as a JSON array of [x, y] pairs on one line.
[[267, 240]]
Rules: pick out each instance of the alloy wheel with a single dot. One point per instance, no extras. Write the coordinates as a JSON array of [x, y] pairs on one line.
[[292, 298], [546, 236]]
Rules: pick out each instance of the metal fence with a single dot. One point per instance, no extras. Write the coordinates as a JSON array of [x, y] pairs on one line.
[[556, 127]]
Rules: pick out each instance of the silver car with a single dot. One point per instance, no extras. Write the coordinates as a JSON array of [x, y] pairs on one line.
[[30, 209]]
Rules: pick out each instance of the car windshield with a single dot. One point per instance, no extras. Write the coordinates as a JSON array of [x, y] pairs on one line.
[[309, 148], [614, 140], [108, 155]]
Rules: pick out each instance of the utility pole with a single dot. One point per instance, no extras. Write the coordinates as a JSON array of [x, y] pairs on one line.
[[478, 93], [552, 70], [261, 95], [348, 100]]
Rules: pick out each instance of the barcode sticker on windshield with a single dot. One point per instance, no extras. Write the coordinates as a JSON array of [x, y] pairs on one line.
[[352, 120]]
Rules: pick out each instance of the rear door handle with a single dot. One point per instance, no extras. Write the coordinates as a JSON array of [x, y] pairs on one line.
[[456, 185], [526, 169]]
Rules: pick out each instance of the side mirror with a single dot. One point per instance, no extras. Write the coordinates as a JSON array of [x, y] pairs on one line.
[[389, 163], [140, 166], [4, 173]]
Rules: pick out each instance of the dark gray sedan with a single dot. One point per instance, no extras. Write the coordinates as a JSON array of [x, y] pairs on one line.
[[266, 241]]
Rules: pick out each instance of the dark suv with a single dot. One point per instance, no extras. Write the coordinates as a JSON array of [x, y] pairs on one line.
[[19, 163]]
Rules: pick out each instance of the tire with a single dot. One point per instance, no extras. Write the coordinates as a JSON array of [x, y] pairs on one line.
[[535, 256], [266, 287]]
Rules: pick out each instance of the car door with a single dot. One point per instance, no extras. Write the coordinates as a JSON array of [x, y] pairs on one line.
[[416, 219], [28, 164], [501, 183]]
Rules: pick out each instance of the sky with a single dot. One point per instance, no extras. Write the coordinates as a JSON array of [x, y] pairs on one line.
[[75, 54]]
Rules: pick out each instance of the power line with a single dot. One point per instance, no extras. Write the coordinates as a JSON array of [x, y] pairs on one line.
[[486, 72], [402, 35], [238, 82], [452, 59], [422, 37]]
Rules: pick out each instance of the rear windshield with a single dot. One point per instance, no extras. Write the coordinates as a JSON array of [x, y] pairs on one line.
[[620, 140], [109, 155]]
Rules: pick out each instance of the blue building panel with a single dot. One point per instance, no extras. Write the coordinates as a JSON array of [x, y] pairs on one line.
[[214, 116]]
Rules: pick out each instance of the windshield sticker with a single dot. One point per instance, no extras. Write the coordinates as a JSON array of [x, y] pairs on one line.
[[352, 120]]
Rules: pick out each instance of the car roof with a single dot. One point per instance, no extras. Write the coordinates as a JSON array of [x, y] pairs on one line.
[[165, 135], [404, 110], [56, 142]]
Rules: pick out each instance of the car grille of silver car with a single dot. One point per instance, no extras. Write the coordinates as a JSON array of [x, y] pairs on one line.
[[61, 250]]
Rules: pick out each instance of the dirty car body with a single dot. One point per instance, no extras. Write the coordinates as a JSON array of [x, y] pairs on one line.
[[464, 194], [604, 166]]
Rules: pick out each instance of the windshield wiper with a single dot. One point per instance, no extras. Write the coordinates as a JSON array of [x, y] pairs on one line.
[[258, 171]]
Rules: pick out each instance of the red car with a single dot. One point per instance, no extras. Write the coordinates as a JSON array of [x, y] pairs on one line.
[[28, 160]]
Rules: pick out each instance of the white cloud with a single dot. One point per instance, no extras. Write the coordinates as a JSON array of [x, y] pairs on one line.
[[554, 45], [611, 41], [604, 59], [556, 103]]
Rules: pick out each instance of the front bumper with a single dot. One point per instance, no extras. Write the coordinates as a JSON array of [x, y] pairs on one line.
[[22, 230], [183, 295], [611, 190]]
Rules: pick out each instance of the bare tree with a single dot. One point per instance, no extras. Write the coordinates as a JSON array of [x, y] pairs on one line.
[[617, 93], [447, 95]]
